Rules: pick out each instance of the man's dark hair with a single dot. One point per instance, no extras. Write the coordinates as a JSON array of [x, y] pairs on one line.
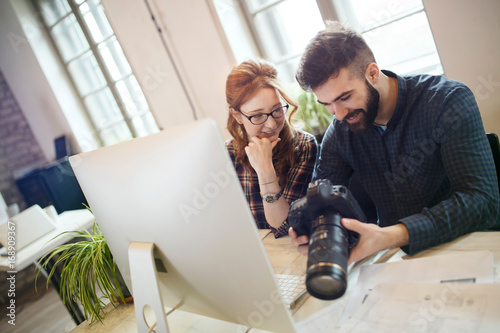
[[329, 51]]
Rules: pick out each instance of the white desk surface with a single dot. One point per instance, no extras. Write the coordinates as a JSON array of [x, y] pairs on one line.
[[481, 240], [73, 220]]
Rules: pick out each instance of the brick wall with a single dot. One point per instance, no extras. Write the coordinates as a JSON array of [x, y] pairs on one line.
[[18, 147]]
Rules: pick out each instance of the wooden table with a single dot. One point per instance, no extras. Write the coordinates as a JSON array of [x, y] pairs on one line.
[[286, 260]]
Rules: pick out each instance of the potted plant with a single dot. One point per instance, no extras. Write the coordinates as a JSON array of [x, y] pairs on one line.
[[311, 116], [89, 273]]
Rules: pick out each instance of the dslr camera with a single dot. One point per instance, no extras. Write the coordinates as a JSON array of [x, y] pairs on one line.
[[318, 216]]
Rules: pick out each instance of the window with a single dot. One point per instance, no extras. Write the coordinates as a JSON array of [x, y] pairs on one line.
[[100, 72], [278, 30], [398, 33]]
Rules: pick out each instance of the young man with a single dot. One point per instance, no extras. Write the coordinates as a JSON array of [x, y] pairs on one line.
[[417, 143]]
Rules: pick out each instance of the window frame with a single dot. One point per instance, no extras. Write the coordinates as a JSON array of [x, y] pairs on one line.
[[109, 83], [250, 20], [329, 10]]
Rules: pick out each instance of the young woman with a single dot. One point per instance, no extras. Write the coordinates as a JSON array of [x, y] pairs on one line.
[[274, 161]]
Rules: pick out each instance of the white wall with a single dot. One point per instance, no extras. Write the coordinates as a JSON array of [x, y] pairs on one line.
[[197, 50], [467, 35], [28, 83]]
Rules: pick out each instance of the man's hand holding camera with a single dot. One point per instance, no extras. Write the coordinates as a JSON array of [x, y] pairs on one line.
[[372, 238], [318, 216]]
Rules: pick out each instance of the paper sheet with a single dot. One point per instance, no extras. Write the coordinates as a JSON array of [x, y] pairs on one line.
[[324, 320], [428, 308], [463, 266]]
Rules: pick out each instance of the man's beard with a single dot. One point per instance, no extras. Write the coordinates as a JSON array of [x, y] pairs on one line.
[[367, 117]]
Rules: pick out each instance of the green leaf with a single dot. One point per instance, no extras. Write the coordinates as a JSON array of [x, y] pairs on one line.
[[87, 269], [311, 116]]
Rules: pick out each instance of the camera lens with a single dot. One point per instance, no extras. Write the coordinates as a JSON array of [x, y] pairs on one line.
[[327, 261], [326, 286]]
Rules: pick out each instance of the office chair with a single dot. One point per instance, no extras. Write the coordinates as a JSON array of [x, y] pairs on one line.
[[495, 149]]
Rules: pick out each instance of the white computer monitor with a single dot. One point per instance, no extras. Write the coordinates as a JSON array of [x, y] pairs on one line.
[[177, 192]]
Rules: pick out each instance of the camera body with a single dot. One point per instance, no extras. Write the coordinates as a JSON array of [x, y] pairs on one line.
[[318, 216]]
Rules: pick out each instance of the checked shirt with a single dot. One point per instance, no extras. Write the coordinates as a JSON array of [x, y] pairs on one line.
[[296, 187], [431, 168]]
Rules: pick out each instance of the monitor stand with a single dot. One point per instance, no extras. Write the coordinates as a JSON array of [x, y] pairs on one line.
[[145, 286], [146, 290]]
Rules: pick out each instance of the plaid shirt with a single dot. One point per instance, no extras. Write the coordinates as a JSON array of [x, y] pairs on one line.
[[431, 169], [296, 187]]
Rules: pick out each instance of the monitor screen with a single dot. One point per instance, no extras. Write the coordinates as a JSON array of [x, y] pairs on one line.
[[178, 190]]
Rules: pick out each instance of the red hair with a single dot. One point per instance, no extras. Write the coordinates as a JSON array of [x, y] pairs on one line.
[[242, 83]]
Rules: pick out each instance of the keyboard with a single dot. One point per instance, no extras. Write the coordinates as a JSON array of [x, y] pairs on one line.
[[291, 287]]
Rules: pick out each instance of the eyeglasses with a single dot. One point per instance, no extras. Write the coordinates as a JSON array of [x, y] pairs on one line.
[[259, 119]]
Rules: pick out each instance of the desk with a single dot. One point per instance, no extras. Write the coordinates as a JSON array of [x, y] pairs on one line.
[[73, 220], [470, 242], [286, 260], [70, 220]]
